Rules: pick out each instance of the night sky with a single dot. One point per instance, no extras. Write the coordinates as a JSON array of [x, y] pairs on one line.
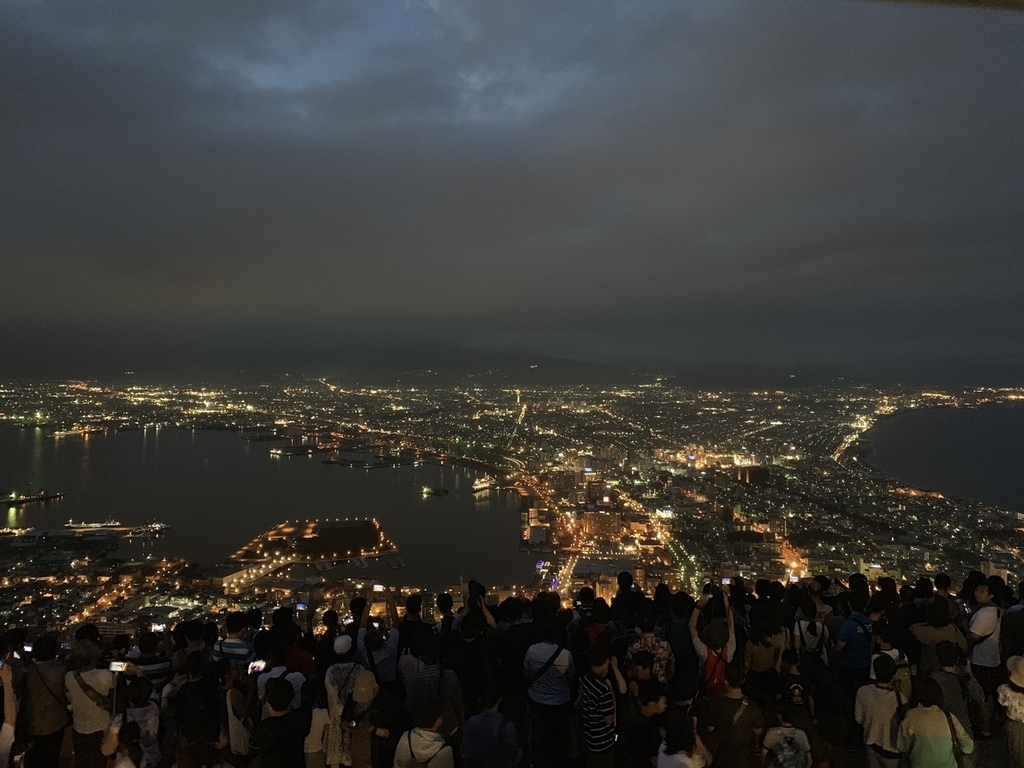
[[835, 185]]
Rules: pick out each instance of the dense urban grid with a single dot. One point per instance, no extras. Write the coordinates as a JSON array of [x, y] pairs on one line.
[[652, 489]]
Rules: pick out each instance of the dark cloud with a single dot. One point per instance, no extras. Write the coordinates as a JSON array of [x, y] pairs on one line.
[[779, 183]]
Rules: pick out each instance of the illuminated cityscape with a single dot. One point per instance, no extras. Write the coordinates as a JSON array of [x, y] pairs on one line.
[[675, 485]]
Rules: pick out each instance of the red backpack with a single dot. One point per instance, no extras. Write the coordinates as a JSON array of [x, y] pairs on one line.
[[714, 672]]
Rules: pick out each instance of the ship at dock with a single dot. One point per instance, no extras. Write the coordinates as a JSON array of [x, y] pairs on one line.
[[147, 531], [16, 499], [485, 483]]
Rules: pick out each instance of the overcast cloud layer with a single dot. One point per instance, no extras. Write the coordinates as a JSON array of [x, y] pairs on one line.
[[786, 183]]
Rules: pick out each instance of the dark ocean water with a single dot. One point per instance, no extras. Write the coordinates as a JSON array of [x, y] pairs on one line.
[[218, 492], [974, 453]]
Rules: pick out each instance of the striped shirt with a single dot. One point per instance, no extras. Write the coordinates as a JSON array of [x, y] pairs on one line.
[[157, 669], [597, 702], [235, 649]]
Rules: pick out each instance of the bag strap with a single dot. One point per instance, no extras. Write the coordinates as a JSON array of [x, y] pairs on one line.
[[547, 664], [957, 751], [46, 685], [344, 684], [95, 696], [740, 711]]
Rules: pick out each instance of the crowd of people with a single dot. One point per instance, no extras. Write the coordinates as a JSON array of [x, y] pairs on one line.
[[815, 673]]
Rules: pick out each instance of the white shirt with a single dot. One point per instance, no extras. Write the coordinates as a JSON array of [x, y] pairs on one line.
[[986, 621], [295, 678], [88, 716]]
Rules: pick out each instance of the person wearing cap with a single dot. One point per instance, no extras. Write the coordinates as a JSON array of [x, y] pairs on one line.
[[338, 682], [88, 691], [374, 719], [1011, 698]]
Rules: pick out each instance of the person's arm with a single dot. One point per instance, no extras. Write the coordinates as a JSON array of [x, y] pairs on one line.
[[620, 681], [175, 685], [109, 744], [364, 619], [695, 615], [841, 639], [984, 625], [237, 702], [389, 599], [487, 615], [729, 619]]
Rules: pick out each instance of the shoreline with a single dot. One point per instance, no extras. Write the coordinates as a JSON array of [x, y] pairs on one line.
[[864, 447]]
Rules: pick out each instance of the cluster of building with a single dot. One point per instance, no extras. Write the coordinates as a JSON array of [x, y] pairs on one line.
[[672, 484]]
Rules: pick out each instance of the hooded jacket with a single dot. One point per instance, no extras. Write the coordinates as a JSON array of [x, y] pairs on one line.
[[419, 747]]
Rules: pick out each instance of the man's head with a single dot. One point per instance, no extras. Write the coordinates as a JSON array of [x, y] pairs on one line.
[[444, 602], [413, 605], [278, 694], [625, 581], [85, 654], [330, 619], [235, 623], [193, 631], [943, 582], [282, 615], [653, 698], [983, 593], [646, 619], [927, 692], [947, 653], [643, 665], [735, 675], [885, 668], [875, 607], [600, 659], [148, 643], [430, 714]]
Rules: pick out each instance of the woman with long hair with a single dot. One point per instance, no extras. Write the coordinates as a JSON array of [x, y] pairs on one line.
[[762, 655], [129, 747], [682, 747]]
